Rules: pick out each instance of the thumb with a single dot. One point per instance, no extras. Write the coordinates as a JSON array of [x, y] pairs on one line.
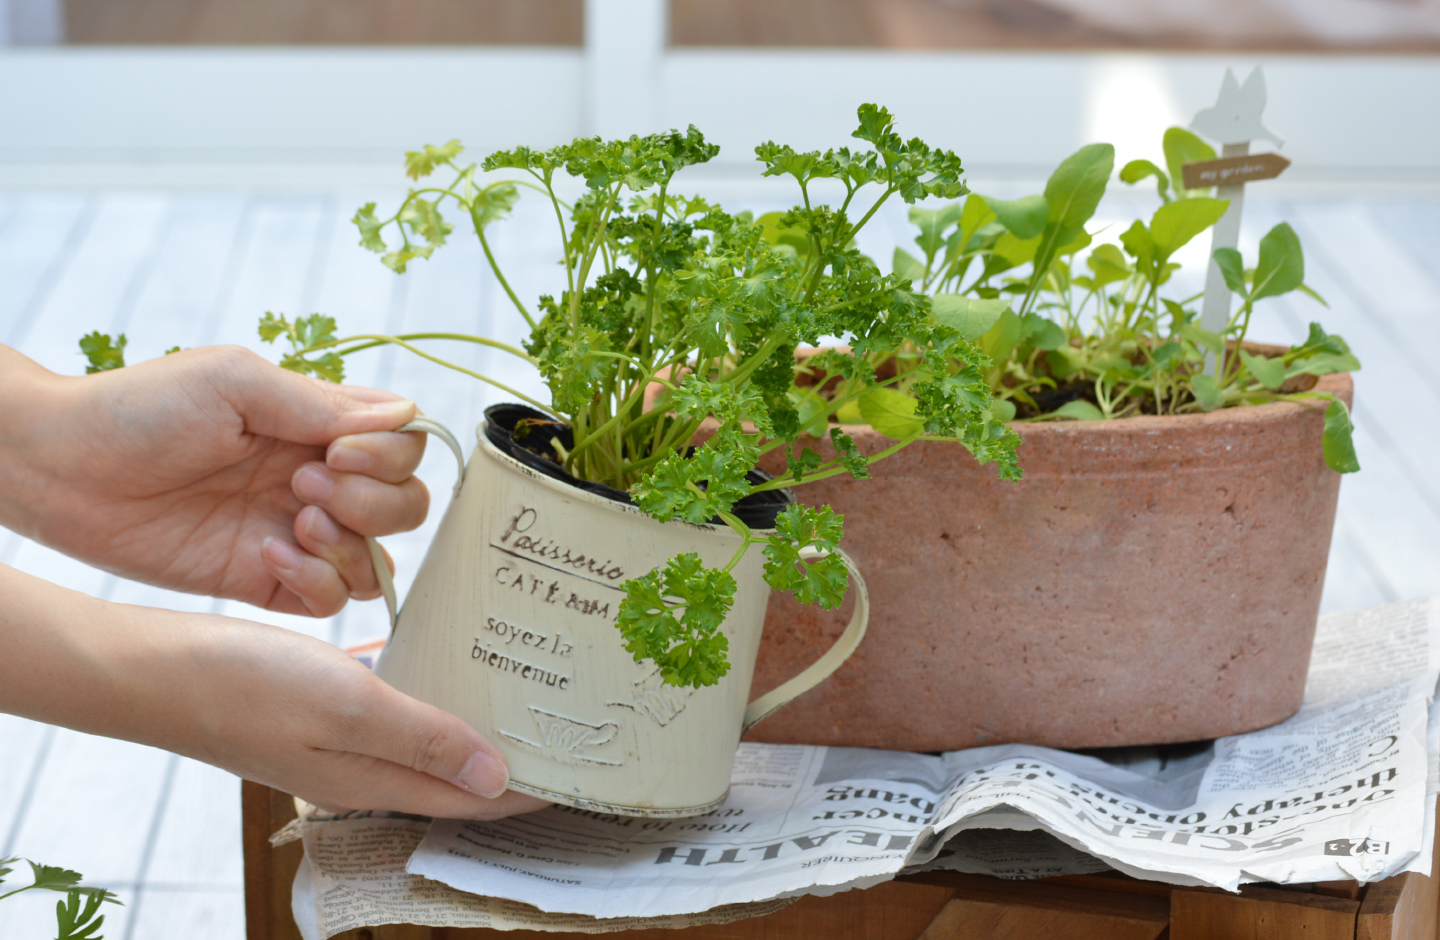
[[408, 732], [274, 402]]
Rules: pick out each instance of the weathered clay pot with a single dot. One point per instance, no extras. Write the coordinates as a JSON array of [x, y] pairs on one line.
[[1151, 580]]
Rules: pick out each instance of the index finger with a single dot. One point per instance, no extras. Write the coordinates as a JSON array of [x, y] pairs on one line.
[[387, 456]]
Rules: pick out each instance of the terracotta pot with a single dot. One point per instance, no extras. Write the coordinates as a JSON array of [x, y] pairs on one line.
[[511, 626], [1151, 580]]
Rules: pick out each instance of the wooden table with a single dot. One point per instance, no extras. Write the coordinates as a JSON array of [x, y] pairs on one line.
[[939, 906]]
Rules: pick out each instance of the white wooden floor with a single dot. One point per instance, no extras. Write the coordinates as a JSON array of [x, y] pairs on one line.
[[196, 268]]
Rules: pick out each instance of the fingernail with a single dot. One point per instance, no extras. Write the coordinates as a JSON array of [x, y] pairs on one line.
[[312, 485], [348, 459], [282, 554], [320, 527], [401, 410], [485, 775]]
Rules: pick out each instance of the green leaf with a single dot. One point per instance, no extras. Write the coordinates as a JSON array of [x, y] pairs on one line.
[[891, 413], [1075, 188], [1181, 147], [1325, 363], [494, 203], [420, 163], [673, 618], [1003, 409], [1001, 339], [369, 227], [103, 353], [1268, 372], [1024, 218], [1042, 333], [933, 223], [820, 580], [1231, 265], [1202, 337], [854, 462], [1281, 267], [53, 877], [971, 317], [1338, 442], [1108, 265], [1016, 252], [1175, 223], [1136, 170], [906, 266], [1207, 392], [77, 923], [425, 220], [1079, 410]]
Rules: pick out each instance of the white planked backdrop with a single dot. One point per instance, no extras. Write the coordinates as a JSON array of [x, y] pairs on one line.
[[193, 268]]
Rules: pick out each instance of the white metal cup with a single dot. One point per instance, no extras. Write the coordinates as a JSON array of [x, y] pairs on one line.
[[511, 626]]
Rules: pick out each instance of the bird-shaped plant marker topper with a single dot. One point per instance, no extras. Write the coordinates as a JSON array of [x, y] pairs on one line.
[[1234, 121]]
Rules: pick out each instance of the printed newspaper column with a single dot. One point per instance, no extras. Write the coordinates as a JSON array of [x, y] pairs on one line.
[[1234, 121]]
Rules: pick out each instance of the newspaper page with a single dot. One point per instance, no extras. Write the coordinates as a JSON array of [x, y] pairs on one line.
[[1340, 790], [353, 875]]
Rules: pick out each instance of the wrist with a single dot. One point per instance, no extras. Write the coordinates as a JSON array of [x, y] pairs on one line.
[[31, 423]]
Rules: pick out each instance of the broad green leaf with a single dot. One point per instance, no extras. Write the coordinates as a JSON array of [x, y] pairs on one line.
[[1079, 410], [1175, 223], [1325, 363], [1024, 218], [1041, 332], [849, 413], [891, 413], [1136, 170], [933, 224], [1202, 337], [1015, 251], [972, 317], [1000, 340], [1080, 242], [1140, 246], [1281, 267], [1003, 410], [1207, 392], [1231, 265], [1310, 292], [1338, 442], [908, 267], [1075, 188], [775, 233], [975, 217], [1181, 147], [1268, 372], [1108, 265]]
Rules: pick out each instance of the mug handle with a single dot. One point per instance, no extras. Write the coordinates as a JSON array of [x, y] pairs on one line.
[[820, 670], [377, 557]]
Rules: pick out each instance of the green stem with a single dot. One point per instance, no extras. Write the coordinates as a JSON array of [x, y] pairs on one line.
[[377, 340], [499, 276]]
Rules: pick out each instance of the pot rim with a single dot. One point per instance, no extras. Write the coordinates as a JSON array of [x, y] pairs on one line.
[[560, 486], [1338, 384]]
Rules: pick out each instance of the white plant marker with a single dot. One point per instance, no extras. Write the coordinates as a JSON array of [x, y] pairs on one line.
[[1234, 121]]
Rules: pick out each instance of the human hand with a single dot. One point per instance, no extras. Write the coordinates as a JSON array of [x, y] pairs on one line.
[[304, 717], [266, 703], [214, 472]]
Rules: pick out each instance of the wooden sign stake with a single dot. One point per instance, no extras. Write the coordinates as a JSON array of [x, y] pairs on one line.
[[1234, 121]]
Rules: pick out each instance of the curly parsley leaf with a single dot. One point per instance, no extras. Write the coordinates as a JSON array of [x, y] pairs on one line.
[[102, 352], [821, 580], [304, 335], [673, 616]]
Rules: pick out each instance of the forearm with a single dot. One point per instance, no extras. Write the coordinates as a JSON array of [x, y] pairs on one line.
[[97, 667]]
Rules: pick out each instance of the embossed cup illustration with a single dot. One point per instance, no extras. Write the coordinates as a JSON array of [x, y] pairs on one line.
[[511, 626]]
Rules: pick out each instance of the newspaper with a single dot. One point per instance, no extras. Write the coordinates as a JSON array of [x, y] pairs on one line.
[[354, 875], [1345, 789]]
